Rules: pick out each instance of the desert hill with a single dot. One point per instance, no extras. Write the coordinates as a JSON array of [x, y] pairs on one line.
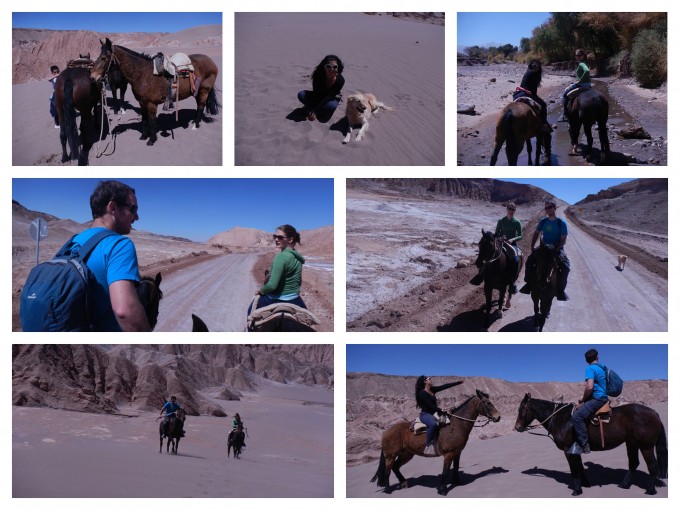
[[100, 378], [316, 242], [375, 402], [35, 50]]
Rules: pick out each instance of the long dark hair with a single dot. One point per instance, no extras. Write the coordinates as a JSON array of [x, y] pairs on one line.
[[290, 231], [533, 75], [420, 386], [320, 72]]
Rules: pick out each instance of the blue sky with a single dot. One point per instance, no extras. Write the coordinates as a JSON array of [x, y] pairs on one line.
[[515, 363], [116, 21], [193, 208], [571, 190], [496, 28]]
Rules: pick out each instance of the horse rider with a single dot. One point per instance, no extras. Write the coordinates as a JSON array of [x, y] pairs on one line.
[[171, 409], [236, 426], [511, 229], [554, 232], [426, 400], [582, 81], [53, 106], [594, 397], [529, 88]]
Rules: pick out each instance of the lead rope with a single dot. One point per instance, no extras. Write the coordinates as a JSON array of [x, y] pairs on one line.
[[105, 114]]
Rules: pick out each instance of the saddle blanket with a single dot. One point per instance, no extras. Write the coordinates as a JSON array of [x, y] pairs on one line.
[[573, 93], [530, 102], [261, 316]]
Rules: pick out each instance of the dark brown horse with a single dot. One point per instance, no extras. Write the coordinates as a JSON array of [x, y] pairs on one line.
[[151, 90], [150, 294], [75, 91], [517, 124], [175, 426], [236, 440], [588, 108], [634, 424], [543, 283], [399, 444], [118, 86], [498, 270]]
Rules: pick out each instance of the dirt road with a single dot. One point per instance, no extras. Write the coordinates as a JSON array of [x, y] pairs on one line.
[[218, 291], [601, 297]]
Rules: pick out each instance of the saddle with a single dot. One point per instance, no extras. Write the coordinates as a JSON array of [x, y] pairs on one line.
[[577, 92], [602, 415], [534, 105], [85, 63], [179, 65], [418, 427], [261, 316]]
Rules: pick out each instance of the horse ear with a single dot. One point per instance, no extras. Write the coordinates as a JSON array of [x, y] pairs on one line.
[[527, 396], [159, 278], [483, 231], [108, 41]]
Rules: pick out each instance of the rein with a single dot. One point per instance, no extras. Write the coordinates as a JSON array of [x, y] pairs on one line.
[[550, 417], [488, 420], [105, 114], [496, 255]]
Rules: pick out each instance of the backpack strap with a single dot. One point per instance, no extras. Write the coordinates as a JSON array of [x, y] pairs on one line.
[[92, 243]]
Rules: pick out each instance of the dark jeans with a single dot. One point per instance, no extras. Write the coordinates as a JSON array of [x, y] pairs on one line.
[[431, 423], [574, 86], [323, 111], [581, 415], [268, 300], [53, 110], [562, 271]]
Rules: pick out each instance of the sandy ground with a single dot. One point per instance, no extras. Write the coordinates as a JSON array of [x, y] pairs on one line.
[[290, 438], [36, 141], [517, 465], [629, 105], [400, 61], [402, 276]]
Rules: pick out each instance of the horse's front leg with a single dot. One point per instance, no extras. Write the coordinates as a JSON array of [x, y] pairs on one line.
[[161, 448], [456, 469], [441, 489], [488, 293], [176, 446], [574, 461], [501, 300]]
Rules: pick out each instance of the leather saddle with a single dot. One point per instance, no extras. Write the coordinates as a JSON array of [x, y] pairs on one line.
[[261, 316], [534, 105]]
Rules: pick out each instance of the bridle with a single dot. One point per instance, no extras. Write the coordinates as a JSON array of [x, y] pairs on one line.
[[486, 414], [497, 250], [556, 409]]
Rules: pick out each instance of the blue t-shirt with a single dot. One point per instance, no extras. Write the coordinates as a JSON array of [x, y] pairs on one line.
[[553, 230], [112, 260], [170, 408], [599, 378]]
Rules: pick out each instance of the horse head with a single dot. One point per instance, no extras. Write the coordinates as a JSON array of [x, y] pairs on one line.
[[525, 414], [488, 246], [103, 62], [487, 408], [150, 294], [546, 265], [181, 414]]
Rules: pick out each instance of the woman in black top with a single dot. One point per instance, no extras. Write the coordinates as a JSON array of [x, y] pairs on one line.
[[426, 400], [327, 82], [529, 88]]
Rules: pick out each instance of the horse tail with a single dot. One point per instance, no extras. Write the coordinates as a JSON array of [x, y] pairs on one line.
[[212, 104], [662, 453], [381, 475], [70, 120]]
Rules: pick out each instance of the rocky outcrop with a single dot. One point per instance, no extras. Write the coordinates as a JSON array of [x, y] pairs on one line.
[[104, 378]]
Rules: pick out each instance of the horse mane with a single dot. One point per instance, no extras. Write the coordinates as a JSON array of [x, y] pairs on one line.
[[458, 408], [134, 53]]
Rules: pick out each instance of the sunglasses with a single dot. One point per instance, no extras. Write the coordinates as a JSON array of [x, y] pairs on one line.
[[549, 208], [334, 67], [133, 208], [278, 238]]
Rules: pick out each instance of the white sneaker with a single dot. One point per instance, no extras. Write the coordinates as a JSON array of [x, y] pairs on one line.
[[429, 451]]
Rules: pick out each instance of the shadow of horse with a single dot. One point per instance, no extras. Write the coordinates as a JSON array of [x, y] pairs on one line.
[[470, 320], [605, 475], [525, 325]]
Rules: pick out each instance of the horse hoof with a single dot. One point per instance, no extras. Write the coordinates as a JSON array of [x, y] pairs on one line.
[[441, 491], [577, 493], [150, 142], [144, 137]]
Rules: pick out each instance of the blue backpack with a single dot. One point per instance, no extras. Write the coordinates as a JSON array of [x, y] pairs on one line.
[[56, 294], [614, 382]]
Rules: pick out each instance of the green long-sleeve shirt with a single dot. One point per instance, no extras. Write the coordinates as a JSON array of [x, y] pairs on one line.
[[509, 228], [582, 73], [286, 274]]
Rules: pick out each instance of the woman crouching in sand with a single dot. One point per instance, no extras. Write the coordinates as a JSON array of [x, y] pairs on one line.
[[285, 277], [327, 82]]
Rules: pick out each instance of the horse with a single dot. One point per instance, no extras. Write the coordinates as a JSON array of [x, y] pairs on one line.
[[543, 283], [150, 90], [117, 83], [399, 444], [634, 424], [150, 294], [517, 124], [73, 91], [587, 108], [498, 272], [175, 423], [236, 440]]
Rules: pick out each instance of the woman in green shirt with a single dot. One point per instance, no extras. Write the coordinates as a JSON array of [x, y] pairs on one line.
[[582, 81], [285, 277]]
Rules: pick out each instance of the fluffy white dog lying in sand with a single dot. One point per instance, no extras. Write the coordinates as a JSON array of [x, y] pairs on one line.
[[359, 109]]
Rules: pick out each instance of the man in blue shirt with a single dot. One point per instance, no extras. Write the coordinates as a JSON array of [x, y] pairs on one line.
[[594, 397], [170, 409], [554, 232], [113, 262]]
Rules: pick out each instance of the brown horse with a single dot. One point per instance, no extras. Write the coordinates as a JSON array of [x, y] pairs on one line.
[[588, 108], [73, 91], [150, 90], [399, 444], [174, 431], [517, 124], [150, 294], [636, 425]]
